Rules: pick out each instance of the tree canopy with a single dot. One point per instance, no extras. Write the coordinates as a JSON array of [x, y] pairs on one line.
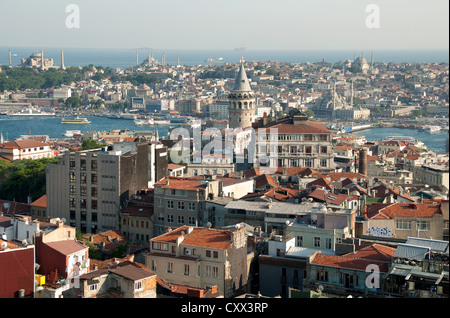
[[22, 178]]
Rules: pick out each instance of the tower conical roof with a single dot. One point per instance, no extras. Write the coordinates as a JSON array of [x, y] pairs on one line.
[[241, 83]]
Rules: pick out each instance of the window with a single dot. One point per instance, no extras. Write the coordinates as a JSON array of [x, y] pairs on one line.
[[328, 243], [323, 138], [316, 241], [180, 205], [160, 203], [94, 192], [208, 253], [323, 162], [191, 206], [181, 219], [93, 287], [308, 137], [154, 265], [169, 204], [170, 218], [215, 254], [323, 149], [137, 285], [170, 267], [403, 225], [308, 163], [191, 220], [212, 271], [186, 269], [322, 276], [423, 225], [299, 241]]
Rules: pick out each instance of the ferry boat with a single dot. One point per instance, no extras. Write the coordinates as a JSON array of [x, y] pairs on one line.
[[400, 138], [432, 129], [77, 121], [32, 112], [70, 133], [151, 122]]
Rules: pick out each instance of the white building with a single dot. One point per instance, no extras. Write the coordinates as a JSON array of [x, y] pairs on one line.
[[25, 149]]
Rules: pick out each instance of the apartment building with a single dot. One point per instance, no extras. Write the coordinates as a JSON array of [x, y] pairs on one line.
[[20, 149], [432, 174], [181, 201], [300, 143], [401, 220], [202, 258], [87, 188]]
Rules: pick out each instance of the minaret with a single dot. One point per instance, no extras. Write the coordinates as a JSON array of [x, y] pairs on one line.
[[351, 102], [371, 62], [137, 58], [42, 59], [241, 101], [10, 64], [62, 60], [178, 60]]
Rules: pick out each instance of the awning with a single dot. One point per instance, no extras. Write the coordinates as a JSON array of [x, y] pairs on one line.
[[411, 252]]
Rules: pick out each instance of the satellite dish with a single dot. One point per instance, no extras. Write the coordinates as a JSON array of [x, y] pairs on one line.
[[6, 205], [4, 245], [208, 225], [24, 242], [187, 252], [63, 220]]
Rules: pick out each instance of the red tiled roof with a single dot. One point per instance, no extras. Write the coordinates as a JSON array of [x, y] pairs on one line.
[[376, 252], [22, 143], [309, 127], [172, 166], [334, 198], [41, 202], [136, 210], [181, 183], [347, 262], [67, 247], [218, 239], [390, 211], [264, 180]]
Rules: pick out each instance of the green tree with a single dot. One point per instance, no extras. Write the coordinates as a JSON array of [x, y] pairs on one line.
[[89, 143], [22, 178]]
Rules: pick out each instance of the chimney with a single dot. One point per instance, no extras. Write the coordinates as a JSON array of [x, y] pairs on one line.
[[363, 161], [189, 229]]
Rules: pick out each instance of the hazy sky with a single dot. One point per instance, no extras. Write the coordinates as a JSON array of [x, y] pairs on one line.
[[226, 24]]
